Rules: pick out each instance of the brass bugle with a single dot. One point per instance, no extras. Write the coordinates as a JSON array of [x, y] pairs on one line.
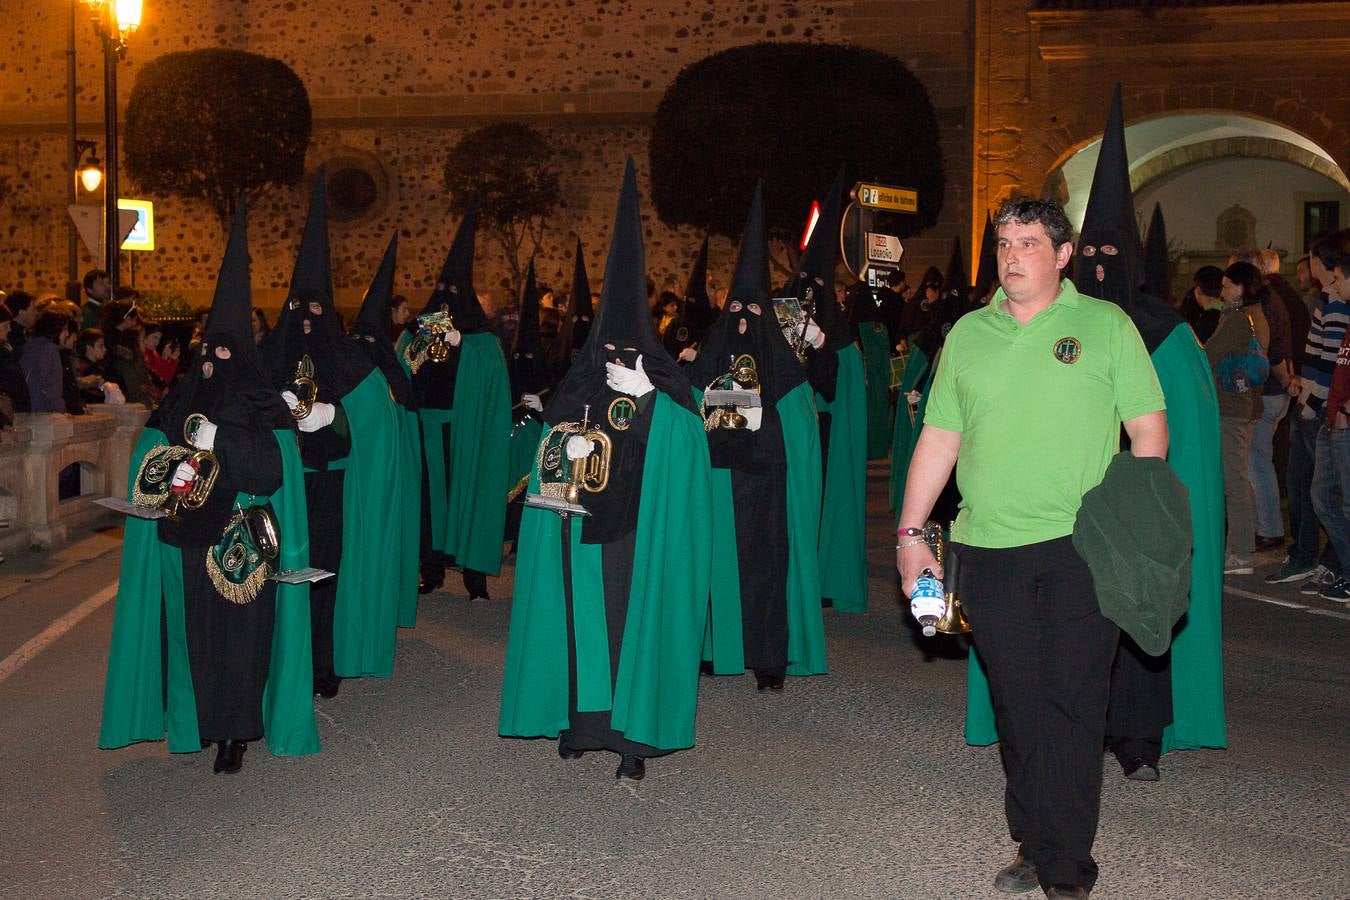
[[208, 468]]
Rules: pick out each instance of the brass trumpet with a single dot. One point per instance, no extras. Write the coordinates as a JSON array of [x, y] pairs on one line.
[[742, 375], [953, 619], [563, 478], [208, 469], [305, 388], [431, 340]]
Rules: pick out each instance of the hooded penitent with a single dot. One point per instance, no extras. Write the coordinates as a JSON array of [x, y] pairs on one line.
[[454, 292], [987, 273], [1157, 270], [576, 326], [765, 610], [349, 479], [185, 661], [836, 375], [696, 313], [1152, 708], [370, 332], [609, 610], [529, 369]]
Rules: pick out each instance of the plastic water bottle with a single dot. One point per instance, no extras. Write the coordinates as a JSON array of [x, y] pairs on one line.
[[927, 603]]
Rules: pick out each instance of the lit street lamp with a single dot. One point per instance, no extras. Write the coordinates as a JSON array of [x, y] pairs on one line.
[[88, 171], [114, 21]]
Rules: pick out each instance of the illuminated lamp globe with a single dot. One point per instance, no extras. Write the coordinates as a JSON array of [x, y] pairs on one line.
[[91, 174]]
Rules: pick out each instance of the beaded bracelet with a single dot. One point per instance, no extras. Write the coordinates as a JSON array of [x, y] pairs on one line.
[[910, 543]]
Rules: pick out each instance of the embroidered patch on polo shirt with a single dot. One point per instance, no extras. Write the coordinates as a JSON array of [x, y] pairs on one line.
[[1067, 350]]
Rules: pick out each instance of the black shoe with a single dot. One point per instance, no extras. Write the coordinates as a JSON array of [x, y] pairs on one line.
[[768, 682], [475, 585], [1139, 769], [566, 752], [1065, 891], [326, 686], [631, 767], [705, 668], [230, 757], [427, 585], [1017, 877]]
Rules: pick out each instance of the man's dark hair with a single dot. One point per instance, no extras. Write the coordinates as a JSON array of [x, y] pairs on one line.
[[1248, 277], [1209, 279], [91, 276], [1028, 211], [19, 301], [88, 338], [52, 325], [1334, 250]]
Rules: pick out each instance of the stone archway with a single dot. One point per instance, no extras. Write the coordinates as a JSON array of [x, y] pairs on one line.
[[1142, 105], [1234, 147]]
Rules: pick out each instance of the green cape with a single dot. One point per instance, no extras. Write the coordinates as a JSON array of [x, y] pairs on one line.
[[468, 503], [843, 512], [903, 439], [876, 354], [806, 628], [410, 517], [372, 581], [655, 693], [1197, 650], [138, 703]]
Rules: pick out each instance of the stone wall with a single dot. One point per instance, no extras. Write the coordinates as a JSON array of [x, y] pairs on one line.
[[401, 81], [1043, 79]]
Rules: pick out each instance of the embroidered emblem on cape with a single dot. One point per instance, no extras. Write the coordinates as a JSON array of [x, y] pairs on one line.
[[621, 413], [1067, 350], [682, 334]]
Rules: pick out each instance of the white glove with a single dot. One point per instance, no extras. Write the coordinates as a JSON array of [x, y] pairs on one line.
[[320, 416], [205, 438], [1306, 413], [633, 382], [112, 393], [183, 475], [754, 416], [454, 337], [688, 354], [292, 401], [813, 335], [532, 401], [578, 447]]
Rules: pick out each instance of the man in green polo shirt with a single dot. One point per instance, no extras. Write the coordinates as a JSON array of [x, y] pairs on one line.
[[1029, 397]]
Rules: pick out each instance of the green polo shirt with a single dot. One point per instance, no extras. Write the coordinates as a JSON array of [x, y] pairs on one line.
[[1039, 408]]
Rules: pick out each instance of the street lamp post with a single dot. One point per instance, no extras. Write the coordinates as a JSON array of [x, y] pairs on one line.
[[114, 21]]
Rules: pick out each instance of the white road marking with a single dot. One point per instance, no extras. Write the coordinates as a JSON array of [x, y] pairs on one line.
[[1334, 613], [21, 657], [1263, 598]]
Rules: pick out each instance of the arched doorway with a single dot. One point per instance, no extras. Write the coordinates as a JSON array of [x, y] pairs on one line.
[[1223, 180]]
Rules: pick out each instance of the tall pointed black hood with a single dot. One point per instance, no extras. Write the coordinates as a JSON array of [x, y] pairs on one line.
[[370, 329], [336, 369], [576, 325], [739, 329], [951, 305], [814, 283], [454, 289], [234, 389], [622, 321], [696, 313], [529, 368], [1157, 271], [987, 273], [1110, 225]]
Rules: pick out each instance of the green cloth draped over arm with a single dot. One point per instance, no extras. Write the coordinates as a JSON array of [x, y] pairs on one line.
[[521, 450], [468, 502], [903, 438], [371, 578], [1197, 649], [653, 695], [876, 354], [724, 644], [843, 514], [138, 703]]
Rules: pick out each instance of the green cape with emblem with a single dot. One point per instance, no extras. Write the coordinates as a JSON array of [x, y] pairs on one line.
[[1197, 652], [468, 502], [806, 629], [374, 576], [843, 513], [875, 344], [906, 433], [655, 691], [149, 692]]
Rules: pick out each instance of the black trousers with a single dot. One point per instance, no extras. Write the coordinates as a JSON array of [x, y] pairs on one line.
[[1048, 651]]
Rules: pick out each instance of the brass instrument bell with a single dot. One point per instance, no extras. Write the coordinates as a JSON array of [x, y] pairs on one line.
[[744, 374], [262, 525], [305, 388], [208, 469], [564, 478], [953, 619]]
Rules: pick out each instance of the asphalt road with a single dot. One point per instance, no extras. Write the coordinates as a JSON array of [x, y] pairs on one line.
[[856, 784]]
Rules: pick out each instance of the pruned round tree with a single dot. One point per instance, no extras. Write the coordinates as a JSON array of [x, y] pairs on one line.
[[790, 113], [215, 125], [509, 167]]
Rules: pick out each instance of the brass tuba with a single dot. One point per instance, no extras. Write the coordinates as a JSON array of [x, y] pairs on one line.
[[563, 478], [305, 388], [431, 340]]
